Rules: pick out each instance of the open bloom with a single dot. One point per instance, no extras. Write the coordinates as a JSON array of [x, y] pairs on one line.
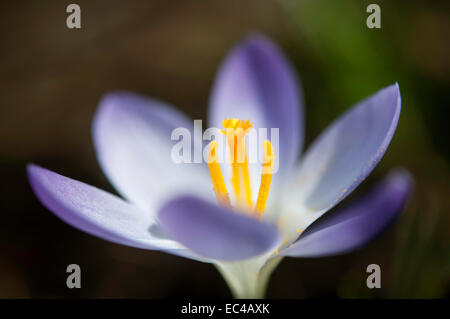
[[185, 209]]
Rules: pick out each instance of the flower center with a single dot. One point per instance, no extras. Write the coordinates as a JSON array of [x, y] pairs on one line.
[[235, 131]]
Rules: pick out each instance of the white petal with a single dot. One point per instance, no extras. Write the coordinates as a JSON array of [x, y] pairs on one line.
[[341, 158], [132, 137], [100, 213]]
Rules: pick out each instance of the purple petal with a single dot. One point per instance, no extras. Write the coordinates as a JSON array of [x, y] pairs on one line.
[[132, 138], [342, 157], [358, 224], [256, 82], [95, 211], [215, 232]]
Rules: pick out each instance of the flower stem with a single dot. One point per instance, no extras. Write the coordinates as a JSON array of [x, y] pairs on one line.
[[248, 279]]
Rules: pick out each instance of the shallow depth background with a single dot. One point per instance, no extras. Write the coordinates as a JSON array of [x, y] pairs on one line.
[[53, 77]]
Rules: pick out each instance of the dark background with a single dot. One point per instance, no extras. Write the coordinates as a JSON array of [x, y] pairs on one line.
[[52, 79]]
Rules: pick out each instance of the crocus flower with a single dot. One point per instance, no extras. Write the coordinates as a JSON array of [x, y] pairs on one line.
[[173, 207]]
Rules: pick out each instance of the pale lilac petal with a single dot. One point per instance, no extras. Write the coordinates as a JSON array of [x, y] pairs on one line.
[[99, 213], [257, 83], [352, 227], [132, 139], [343, 156], [215, 232]]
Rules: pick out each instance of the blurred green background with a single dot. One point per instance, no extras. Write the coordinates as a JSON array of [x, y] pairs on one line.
[[52, 78]]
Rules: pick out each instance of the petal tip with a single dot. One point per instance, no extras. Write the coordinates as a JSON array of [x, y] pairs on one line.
[[255, 38], [256, 42], [37, 176], [34, 172], [30, 167], [111, 101], [401, 178], [395, 90]]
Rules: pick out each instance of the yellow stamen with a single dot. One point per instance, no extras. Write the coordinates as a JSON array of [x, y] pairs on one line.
[[219, 186], [236, 124], [236, 181], [266, 178], [235, 131], [247, 187]]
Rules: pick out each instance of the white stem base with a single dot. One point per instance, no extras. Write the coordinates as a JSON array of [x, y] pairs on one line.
[[248, 279]]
